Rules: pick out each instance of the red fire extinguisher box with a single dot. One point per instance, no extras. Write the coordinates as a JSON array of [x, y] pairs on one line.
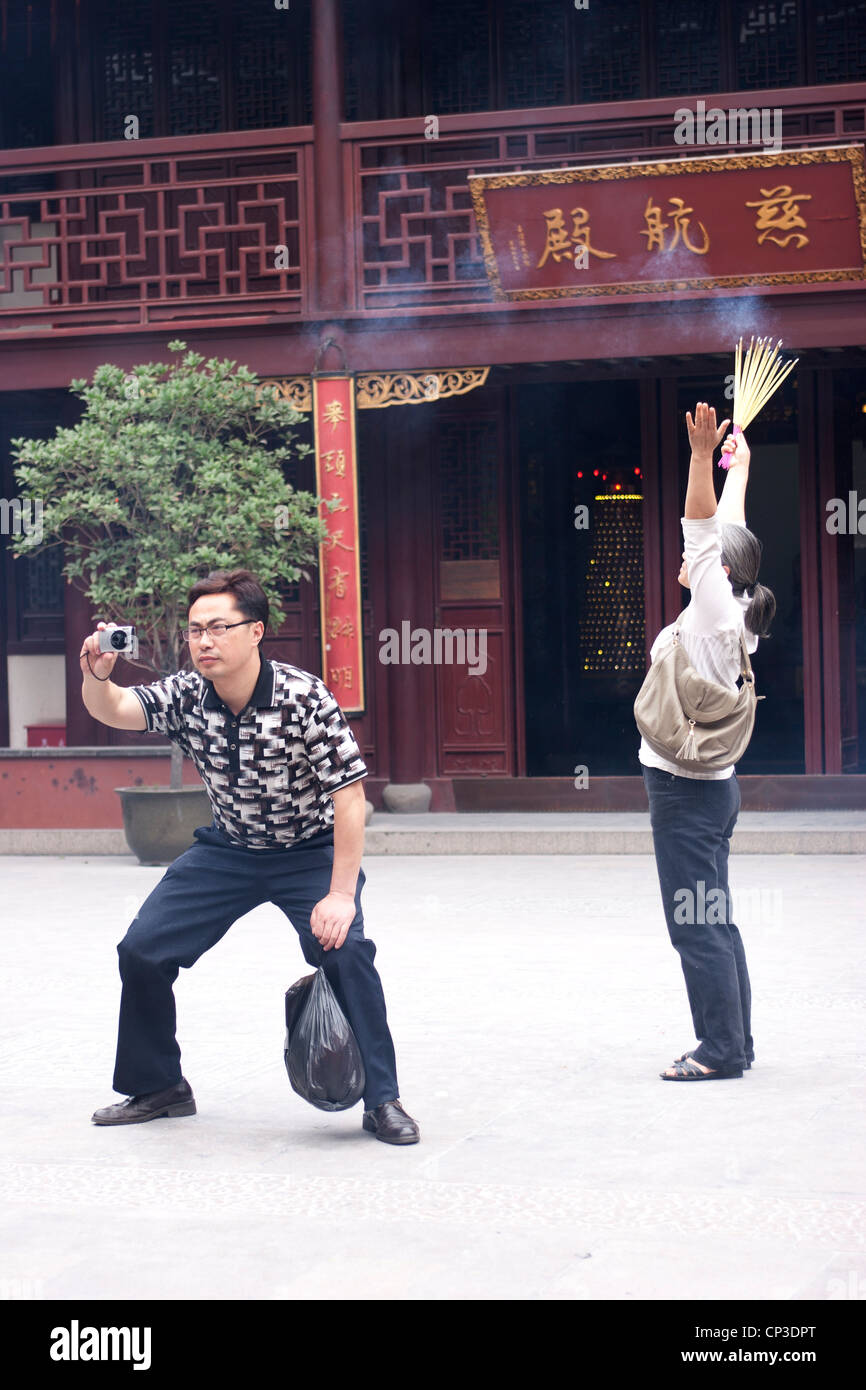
[[46, 735]]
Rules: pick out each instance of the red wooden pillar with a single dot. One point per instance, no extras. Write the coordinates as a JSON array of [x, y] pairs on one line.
[[331, 239], [652, 511], [409, 504], [672, 501], [828, 545], [810, 552]]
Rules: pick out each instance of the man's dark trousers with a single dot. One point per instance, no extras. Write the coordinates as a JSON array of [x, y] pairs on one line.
[[692, 822], [192, 907]]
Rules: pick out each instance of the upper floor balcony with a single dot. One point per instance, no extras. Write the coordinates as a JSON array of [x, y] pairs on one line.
[[224, 229]]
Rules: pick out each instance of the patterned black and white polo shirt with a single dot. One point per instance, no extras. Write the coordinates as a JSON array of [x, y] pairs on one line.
[[270, 770]]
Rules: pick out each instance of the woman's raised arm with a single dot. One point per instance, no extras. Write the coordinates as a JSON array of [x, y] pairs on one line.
[[704, 438], [732, 503]]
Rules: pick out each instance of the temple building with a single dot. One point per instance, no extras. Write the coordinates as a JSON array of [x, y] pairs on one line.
[[523, 239]]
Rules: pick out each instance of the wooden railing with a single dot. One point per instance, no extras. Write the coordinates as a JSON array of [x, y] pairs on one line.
[[416, 245], [159, 231], [218, 228]]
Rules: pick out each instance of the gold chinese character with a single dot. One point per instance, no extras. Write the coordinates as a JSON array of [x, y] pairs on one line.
[[559, 243], [337, 581], [656, 228], [779, 211], [680, 215], [580, 235], [333, 413], [340, 628], [339, 466], [333, 540]]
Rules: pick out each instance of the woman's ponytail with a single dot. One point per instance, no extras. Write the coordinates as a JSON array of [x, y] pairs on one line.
[[761, 611], [741, 552]]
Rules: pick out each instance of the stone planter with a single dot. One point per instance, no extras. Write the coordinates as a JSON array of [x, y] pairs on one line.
[[159, 822]]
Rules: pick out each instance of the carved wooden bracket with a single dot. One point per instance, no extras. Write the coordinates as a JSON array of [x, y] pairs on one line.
[[375, 390]]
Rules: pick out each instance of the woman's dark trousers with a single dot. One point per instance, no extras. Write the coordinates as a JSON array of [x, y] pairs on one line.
[[692, 822], [191, 909]]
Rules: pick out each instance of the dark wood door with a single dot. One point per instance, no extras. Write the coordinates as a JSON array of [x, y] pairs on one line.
[[475, 673]]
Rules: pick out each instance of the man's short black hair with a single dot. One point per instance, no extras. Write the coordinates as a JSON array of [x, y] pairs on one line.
[[244, 588]]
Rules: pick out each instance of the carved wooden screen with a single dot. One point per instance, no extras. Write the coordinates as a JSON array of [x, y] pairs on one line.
[[838, 46], [687, 47], [187, 68], [123, 64], [536, 51], [408, 57], [474, 695], [196, 80], [609, 53], [766, 41], [31, 588]]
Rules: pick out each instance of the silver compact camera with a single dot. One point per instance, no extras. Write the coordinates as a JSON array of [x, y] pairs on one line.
[[122, 641]]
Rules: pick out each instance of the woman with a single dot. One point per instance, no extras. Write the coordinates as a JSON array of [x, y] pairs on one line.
[[693, 814]]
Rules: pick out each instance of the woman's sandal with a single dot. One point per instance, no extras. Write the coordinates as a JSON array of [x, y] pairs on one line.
[[687, 1056], [686, 1069]]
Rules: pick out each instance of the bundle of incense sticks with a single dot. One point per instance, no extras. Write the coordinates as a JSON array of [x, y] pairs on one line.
[[756, 377]]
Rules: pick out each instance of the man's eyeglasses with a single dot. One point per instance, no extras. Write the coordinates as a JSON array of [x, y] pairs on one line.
[[196, 633]]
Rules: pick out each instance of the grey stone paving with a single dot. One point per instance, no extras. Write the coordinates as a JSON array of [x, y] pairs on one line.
[[533, 1000], [516, 832]]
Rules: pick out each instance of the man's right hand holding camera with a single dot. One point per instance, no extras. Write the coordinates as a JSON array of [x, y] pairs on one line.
[[101, 663], [107, 702]]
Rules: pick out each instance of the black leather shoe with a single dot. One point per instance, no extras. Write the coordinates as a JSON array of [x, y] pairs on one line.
[[391, 1124], [153, 1105]]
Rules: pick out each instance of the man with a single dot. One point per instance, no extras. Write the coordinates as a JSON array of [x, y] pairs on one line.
[[283, 773]]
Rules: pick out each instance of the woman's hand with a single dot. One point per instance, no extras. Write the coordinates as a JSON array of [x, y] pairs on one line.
[[736, 451], [704, 435]]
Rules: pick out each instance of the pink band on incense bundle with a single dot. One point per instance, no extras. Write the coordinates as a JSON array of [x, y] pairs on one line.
[[734, 432]]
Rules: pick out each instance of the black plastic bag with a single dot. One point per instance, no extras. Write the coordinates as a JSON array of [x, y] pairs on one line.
[[322, 1056]]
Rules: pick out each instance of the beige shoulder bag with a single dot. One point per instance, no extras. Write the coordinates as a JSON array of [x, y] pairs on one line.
[[696, 723]]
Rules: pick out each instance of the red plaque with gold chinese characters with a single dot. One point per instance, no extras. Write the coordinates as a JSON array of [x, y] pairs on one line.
[[683, 226], [339, 555]]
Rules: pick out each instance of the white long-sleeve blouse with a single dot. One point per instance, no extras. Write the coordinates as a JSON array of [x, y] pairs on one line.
[[710, 626]]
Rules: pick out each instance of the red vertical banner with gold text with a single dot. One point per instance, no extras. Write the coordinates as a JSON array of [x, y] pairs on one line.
[[340, 554]]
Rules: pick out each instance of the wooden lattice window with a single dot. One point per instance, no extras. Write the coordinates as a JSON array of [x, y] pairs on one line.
[[40, 588], [535, 48], [468, 490], [124, 66], [195, 69], [457, 56], [766, 43], [468, 464], [187, 68], [839, 40], [272, 67], [687, 46], [609, 47]]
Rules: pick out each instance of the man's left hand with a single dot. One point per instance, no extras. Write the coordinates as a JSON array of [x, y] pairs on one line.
[[331, 919]]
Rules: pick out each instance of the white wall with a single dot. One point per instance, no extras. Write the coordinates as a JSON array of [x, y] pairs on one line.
[[37, 694], [18, 296]]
